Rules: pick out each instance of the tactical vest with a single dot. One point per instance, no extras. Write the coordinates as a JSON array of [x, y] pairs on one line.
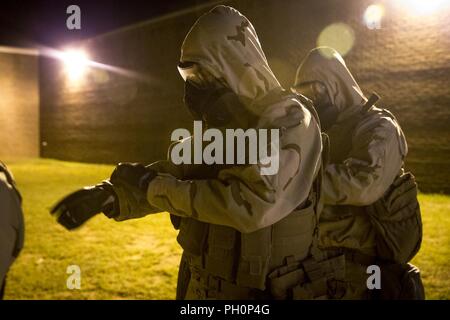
[[247, 258]]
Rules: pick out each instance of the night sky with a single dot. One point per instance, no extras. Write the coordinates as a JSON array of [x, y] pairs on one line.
[[23, 23]]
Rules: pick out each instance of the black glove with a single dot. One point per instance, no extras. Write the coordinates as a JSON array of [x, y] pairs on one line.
[[130, 183], [134, 175], [78, 207]]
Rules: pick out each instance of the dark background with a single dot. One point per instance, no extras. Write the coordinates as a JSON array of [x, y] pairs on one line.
[[23, 22], [111, 118]]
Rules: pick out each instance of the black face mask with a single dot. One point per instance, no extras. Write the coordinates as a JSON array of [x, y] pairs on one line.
[[328, 115], [317, 92], [217, 106]]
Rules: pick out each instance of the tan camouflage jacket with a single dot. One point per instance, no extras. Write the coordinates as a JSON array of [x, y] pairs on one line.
[[363, 166]]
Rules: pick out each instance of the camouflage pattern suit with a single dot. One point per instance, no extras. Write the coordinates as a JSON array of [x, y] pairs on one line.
[[367, 149]]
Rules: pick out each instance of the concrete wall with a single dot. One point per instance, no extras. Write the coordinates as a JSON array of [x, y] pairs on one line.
[[19, 105], [112, 118]]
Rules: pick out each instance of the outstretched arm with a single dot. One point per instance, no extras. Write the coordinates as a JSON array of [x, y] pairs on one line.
[[240, 197]]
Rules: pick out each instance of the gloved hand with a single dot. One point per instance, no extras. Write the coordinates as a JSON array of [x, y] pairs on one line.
[[78, 207], [130, 182], [135, 175]]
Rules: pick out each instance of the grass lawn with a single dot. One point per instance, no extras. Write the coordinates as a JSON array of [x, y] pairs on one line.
[[139, 259]]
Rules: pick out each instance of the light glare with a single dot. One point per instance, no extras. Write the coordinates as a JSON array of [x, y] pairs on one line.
[[76, 63], [373, 16], [423, 7]]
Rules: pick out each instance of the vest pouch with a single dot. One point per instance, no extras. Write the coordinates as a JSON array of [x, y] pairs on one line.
[[283, 279], [397, 221], [253, 265], [293, 235], [192, 236], [308, 279], [268, 248], [221, 252]]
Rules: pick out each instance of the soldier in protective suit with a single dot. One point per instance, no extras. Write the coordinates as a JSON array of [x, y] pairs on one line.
[[244, 235], [11, 224], [371, 211]]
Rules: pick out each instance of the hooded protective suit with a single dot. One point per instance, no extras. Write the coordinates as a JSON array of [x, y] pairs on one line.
[[11, 224], [367, 149], [236, 225]]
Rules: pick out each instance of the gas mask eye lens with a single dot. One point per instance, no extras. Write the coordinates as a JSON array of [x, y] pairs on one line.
[[192, 71], [186, 69], [314, 90], [318, 93], [305, 89]]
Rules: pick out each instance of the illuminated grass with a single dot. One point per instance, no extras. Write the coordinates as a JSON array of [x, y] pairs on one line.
[[139, 259], [128, 260], [434, 255]]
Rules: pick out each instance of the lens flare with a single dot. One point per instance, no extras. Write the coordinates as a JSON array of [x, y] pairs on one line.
[[339, 36], [373, 16]]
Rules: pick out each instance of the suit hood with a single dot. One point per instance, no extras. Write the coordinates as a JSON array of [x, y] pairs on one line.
[[224, 42], [327, 65]]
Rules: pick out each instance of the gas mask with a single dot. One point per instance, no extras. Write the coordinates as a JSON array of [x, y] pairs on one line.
[[317, 92], [209, 100]]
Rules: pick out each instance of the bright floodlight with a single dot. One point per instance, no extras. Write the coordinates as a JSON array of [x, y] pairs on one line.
[[423, 7], [373, 16], [76, 63]]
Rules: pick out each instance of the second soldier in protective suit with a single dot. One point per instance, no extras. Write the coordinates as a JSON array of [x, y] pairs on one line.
[[244, 235], [371, 211], [11, 224]]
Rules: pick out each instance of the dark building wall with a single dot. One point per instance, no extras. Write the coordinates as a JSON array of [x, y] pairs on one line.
[[19, 104], [114, 118]]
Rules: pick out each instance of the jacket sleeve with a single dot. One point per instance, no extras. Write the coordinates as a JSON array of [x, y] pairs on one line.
[[136, 210], [162, 167], [240, 197], [378, 150]]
